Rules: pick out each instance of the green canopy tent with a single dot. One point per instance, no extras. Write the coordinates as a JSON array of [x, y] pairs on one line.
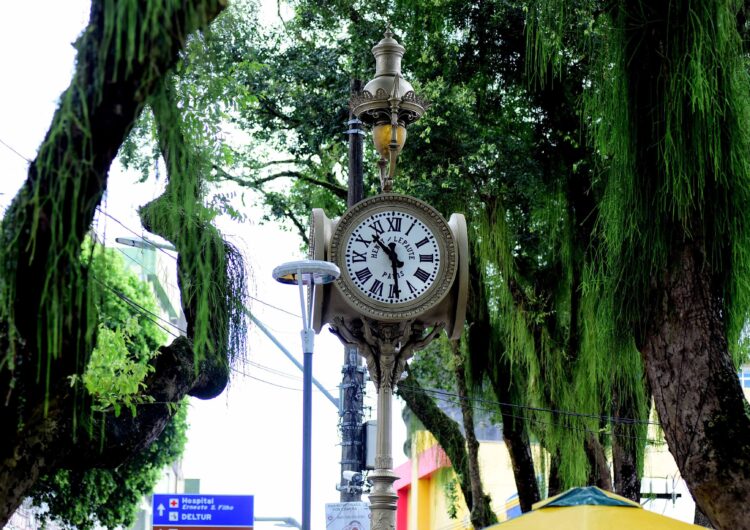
[[591, 508]]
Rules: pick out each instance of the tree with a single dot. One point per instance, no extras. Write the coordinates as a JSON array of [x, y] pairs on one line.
[[126, 343], [495, 145], [48, 314], [668, 111], [441, 366]]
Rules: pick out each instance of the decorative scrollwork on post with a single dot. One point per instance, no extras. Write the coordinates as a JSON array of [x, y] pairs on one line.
[[386, 347]]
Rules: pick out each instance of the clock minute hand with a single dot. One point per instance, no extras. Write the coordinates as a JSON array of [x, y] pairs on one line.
[[394, 268]]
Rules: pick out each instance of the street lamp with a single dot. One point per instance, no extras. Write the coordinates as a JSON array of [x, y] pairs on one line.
[[388, 103], [306, 273], [143, 243]]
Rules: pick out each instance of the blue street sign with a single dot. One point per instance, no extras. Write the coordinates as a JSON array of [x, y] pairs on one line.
[[176, 510]]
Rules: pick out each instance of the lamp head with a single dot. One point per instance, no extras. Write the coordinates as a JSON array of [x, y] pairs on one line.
[[381, 137], [388, 91], [307, 272]]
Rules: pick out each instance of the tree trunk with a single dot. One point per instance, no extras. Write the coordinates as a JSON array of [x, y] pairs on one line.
[[444, 429], [42, 231], [599, 474], [554, 483], [481, 511], [517, 441], [700, 518], [627, 445], [696, 390], [627, 483], [482, 346]]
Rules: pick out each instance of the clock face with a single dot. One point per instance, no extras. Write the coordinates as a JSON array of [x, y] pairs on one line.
[[392, 257], [397, 255]]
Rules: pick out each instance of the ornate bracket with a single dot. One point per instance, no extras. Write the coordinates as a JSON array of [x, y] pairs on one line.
[[386, 347]]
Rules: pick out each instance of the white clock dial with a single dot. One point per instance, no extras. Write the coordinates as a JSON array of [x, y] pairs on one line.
[[392, 257]]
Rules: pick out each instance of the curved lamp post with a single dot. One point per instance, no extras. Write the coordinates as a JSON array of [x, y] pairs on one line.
[[306, 273]]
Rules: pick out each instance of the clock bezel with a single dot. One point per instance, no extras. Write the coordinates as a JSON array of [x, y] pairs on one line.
[[446, 243]]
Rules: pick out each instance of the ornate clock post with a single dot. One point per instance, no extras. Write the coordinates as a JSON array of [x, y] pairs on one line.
[[404, 268]]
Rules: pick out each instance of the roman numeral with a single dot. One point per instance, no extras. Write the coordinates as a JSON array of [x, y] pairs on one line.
[[359, 239], [360, 256], [421, 274], [412, 226], [377, 288], [394, 224], [377, 227], [363, 275], [412, 290], [392, 292], [426, 257], [423, 242]]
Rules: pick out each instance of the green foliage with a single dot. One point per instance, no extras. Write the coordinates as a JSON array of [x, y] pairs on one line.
[[210, 270], [110, 498], [451, 491], [114, 377], [498, 144], [692, 185], [55, 207]]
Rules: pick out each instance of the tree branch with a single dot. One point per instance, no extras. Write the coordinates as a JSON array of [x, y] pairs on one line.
[[337, 190]]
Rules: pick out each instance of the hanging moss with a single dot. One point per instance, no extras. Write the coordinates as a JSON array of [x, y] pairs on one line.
[[700, 113], [210, 271], [128, 44], [577, 368]]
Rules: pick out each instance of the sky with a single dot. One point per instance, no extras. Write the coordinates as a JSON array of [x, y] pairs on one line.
[[248, 440]]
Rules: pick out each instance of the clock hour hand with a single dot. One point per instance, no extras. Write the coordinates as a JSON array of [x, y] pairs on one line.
[[390, 251], [394, 256]]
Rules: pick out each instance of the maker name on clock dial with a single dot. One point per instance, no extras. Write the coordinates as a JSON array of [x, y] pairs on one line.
[[392, 257]]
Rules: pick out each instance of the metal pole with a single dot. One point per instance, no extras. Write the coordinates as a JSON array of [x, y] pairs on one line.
[[354, 129], [383, 497], [306, 435], [353, 381], [308, 343], [311, 273]]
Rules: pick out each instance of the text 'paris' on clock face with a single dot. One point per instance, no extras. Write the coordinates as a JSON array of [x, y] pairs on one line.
[[392, 257]]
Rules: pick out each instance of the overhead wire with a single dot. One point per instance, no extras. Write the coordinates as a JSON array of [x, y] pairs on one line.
[[14, 151], [154, 318], [110, 216], [268, 304], [244, 374], [611, 419], [142, 310]]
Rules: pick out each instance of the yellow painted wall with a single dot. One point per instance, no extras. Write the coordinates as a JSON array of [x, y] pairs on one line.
[[428, 502]]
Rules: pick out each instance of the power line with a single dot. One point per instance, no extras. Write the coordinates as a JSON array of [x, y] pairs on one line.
[[14, 151], [264, 381], [173, 257], [611, 419], [571, 428], [145, 312], [274, 307], [132, 231], [274, 371]]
